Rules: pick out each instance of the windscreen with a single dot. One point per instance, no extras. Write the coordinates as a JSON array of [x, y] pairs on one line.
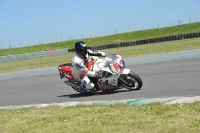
[[110, 59]]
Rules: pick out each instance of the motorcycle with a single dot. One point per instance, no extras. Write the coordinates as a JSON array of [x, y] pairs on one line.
[[114, 75]]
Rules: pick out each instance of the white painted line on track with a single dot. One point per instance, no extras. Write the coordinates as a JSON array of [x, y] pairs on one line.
[[169, 100]]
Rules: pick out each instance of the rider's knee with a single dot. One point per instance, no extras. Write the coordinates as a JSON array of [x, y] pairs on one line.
[[90, 86]]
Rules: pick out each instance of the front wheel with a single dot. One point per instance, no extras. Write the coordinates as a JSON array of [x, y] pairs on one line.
[[131, 81]]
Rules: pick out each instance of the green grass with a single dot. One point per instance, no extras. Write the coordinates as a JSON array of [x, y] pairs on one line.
[[129, 36], [115, 118], [124, 52]]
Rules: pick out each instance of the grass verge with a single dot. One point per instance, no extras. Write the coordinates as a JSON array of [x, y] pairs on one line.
[[124, 52], [129, 36], [115, 118]]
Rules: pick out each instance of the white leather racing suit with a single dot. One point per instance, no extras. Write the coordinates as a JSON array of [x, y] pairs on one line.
[[79, 70]]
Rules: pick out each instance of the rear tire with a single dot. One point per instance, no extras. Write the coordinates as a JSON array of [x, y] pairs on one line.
[[134, 81]]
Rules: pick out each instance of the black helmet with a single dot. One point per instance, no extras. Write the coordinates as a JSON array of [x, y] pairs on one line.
[[80, 48]]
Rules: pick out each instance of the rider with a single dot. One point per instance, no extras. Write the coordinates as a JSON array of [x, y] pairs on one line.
[[79, 62]]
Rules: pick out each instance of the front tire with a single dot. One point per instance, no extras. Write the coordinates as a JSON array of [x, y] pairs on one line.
[[134, 82]]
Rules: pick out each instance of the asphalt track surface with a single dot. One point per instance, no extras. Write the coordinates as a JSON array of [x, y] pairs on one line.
[[170, 74]]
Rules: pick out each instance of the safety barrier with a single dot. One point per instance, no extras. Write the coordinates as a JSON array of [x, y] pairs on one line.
[[146, 41], [32, 55], [100, 47]]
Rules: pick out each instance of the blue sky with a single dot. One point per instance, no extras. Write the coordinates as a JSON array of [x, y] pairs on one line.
[[28, 22]]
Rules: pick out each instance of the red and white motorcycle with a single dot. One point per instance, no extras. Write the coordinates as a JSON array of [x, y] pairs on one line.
[[115, 75]]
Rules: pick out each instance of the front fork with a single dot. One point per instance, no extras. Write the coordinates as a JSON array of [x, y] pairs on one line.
[[125, 72]]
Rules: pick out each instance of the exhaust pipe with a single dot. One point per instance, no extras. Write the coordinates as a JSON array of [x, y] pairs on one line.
[[74, 85]]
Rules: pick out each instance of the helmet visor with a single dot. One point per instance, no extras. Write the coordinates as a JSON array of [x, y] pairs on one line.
[[83, 51]]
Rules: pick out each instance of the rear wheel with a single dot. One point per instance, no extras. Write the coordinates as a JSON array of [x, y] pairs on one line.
[[131, 81]]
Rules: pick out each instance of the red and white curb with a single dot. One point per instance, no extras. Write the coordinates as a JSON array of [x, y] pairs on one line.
[[168, 100]]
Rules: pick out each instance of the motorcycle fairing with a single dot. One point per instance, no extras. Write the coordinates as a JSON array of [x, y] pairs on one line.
[[125, 71], [111, 81], [66, 71]]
